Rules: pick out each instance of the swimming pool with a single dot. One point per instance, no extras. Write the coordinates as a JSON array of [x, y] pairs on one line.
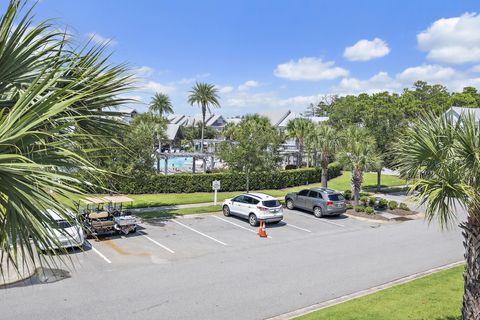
[[180, 163]]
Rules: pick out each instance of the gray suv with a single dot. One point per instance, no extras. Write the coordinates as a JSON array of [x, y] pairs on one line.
[[320, 201]]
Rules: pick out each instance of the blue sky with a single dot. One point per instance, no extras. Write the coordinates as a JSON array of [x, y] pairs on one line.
[[275, 55]]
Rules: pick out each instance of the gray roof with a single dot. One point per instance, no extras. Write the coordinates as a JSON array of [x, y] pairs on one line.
[[172, 131], [457, 111]]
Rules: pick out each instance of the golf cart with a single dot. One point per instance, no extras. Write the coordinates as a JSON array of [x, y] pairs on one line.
[[106, 216]]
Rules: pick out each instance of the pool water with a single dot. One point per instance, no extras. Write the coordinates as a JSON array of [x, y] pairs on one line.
[[180, 163]]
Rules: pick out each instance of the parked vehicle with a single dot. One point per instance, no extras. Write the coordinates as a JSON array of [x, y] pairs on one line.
[[69, 233], [106, 216], [254, 207], [320, 201]]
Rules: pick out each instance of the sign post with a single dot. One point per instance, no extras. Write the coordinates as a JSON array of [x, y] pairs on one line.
[[215, 187]]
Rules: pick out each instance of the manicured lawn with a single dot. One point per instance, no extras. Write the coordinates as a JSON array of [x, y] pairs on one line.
[[178, 212], [435, 297], [340, 183]]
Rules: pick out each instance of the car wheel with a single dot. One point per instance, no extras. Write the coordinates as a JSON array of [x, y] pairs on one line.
[[290, 205], [252, 219], [134, 230], [226, 211], [317, 212]]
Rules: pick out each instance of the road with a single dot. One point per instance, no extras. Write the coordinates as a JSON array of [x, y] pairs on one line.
[[214, 267]]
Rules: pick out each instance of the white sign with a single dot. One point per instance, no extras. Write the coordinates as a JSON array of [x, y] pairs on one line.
[[216, 185]]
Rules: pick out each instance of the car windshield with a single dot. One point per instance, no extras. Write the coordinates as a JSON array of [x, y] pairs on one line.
[[335, 197], [271, 203], [62, 224]]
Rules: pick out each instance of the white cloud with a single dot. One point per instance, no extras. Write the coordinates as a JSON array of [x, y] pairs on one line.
[[154, 86], [476, 68], [309, 68], [143, 71], [225, 89], [248, 84], [429, 73], [365, 50], [452, 40], [193, 79], [101, 40], [378, 83]]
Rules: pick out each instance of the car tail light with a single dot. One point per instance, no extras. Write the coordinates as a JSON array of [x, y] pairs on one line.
[[262, 208], [329, 203]]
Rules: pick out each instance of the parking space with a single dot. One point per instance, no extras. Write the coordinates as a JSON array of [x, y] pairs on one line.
[[171, 240]]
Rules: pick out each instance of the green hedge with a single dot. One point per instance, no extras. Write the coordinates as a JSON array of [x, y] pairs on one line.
[[202, 182]]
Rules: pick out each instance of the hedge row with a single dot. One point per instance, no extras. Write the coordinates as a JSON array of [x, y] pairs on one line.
[[187, 182]]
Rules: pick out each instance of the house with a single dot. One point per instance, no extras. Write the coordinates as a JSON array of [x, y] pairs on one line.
[[214, 121], [455, 113], [281, 119]]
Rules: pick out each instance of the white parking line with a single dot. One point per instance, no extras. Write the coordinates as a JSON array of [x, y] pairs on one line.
[[99, 253], [318, 219], [238, 225], [200, 233], [291, 225], [157, 243]]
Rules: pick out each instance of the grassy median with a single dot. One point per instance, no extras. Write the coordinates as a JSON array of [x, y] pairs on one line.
[[434, 297], [178, 212]]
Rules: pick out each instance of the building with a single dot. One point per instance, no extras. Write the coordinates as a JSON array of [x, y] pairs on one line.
[[214, 121], [455, 113]]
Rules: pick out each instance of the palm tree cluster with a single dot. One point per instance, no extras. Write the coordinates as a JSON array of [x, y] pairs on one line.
[[52, 99]]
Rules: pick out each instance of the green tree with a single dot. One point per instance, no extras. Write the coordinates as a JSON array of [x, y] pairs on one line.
[[53, 100], [442, 159], [358, 154], [194, 132], [424, 98], [325, 141], [204, 95], [161, 105], [298, 129], [254, 147], [468, 98]]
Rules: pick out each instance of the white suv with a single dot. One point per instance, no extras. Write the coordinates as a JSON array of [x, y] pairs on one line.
[[254, 207]]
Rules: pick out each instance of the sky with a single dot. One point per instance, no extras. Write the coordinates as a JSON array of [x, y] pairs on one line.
[[274, 55]]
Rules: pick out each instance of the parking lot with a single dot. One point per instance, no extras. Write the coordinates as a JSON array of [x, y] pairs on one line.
[[215, 267]]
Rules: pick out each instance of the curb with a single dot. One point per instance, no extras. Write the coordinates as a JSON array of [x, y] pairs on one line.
[[358, 294]]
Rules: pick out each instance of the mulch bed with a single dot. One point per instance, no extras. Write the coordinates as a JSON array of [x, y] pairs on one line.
[[364, 215], [400, 212]]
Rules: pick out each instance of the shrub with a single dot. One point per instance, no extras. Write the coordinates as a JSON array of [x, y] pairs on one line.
[[392, 205], [347, 194], [403, 206], [382, 203], [364, 200], [230, 181], [349, 206], [372, 201], [369, 210], [359, 209]]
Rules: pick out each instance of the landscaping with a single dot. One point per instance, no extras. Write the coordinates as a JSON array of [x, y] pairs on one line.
[[437, 296]]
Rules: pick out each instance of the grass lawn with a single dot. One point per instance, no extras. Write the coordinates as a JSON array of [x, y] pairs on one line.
[[178, 212], [434, 297]]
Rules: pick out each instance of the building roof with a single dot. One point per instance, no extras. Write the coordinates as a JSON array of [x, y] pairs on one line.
[[172, 131], [457, 111], [215, 120]]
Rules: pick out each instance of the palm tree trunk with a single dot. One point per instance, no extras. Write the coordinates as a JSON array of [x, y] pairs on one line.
[[324, 163], [300, 153], [356, 185], [471, 275], [379, 180], [248, 179], [204, 110]]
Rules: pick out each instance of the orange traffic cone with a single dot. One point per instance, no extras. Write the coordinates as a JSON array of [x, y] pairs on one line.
[[261, 230]]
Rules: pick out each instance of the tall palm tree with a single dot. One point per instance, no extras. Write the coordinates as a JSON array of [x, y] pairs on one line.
[[442, 158], [359, 155], [161, 105], [299, 129], [52, 117], [325, 141], [204, 95]]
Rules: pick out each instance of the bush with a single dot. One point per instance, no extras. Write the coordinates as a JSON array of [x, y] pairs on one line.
[[230, 181], [403, 206], [364, 200], [372, 201], [369, 210], [347, 194], [359, 209], [349, 206], [392, 205], [382, 203]]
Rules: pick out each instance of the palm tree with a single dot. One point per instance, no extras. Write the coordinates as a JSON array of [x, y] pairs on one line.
[[359, 155], [298, 129], [204, 95], [52, 118], [228, 130], [325, 141], [161, 104], [443, 160]]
